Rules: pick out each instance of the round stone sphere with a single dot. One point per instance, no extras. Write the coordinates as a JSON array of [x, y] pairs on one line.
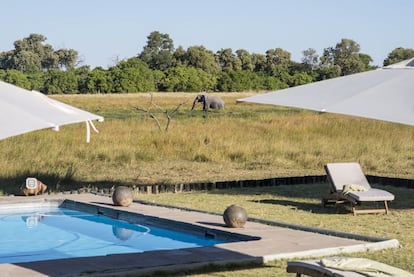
[[235, 216], [122, 196]]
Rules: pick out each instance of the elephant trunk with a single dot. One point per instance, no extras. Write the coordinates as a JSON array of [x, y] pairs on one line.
[[194, 103]]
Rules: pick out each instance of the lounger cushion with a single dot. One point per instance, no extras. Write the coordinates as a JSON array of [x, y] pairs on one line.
[[346, 173], [371, 195]]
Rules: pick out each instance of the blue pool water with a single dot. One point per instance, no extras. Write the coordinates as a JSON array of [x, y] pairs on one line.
[[56, 233]]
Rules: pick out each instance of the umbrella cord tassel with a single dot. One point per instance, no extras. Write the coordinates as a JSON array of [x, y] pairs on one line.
[[88, 132], [93, 126], [89, 123]]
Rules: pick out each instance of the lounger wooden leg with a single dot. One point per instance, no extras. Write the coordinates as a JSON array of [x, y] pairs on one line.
[[354, 211], [366, 211]]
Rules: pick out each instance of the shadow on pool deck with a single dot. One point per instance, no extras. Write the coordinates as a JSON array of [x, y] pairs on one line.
[[276, 241]]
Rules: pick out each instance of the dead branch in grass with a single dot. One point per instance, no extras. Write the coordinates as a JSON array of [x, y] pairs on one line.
[[168, 114]]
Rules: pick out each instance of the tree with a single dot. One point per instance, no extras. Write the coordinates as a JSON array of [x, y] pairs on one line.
[[158, 53], [398, 54], [282, 73], [5, 58], [25, 61], [31, 54], [200, 57], [245, 59], [277, 58], [158, 76], [300, 78], [82, 74], [259, 62], [238, 80], [57, 81], [2, 74], [17, 78], [132, 75], [273, 83], [366, 60], [188, 79], [227, 60], [328, 71], [67, 58], [168, 114], [36, 80], [49, 59], [310, 59], [180, 56], [346, 56], [98, 81]]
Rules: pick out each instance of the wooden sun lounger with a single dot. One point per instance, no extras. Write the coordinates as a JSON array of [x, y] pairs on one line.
[[341, 174]]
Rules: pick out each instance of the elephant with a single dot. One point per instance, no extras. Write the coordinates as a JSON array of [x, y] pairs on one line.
[[209, 102]]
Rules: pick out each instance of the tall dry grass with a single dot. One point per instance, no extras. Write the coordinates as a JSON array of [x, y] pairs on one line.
[[244, 141]]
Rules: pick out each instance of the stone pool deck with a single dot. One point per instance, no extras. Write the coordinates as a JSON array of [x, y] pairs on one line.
[[276, 242]]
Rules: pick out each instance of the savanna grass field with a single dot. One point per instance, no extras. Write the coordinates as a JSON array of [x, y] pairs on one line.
[[242, 142]]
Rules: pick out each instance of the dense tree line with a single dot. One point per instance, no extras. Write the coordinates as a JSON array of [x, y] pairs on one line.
[[160, 66]]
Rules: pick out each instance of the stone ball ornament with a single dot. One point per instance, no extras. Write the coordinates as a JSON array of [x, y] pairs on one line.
[[235, 216], [122, 196]]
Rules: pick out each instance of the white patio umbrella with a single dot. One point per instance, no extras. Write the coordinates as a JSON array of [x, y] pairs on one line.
[[25, 111], [385, 94]]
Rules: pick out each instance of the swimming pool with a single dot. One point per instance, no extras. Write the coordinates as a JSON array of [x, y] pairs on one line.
[[38, 233]]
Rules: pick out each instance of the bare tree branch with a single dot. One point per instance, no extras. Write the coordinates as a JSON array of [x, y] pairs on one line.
[[151, 115], [168, 115]]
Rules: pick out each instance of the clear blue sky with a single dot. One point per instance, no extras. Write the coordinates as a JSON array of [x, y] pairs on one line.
[[104, 30]]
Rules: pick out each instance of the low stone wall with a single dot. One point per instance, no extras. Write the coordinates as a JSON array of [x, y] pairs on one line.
[[388, 181], [163, 188], [271, 182]]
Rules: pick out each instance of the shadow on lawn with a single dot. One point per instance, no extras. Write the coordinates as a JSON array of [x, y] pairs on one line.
[[298, 199], [55, 184], [309, 207], [308, 197], [298, 194]]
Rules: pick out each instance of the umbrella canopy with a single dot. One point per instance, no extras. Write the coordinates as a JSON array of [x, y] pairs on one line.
[[385, 94], [25, 111]]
